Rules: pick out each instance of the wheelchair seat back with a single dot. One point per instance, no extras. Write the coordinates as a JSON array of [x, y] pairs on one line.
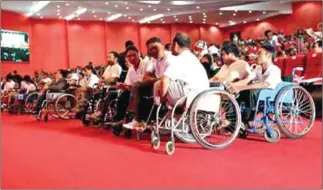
[[272, 93], [53, 96]]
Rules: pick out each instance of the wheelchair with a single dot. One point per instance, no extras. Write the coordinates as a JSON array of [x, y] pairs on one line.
[[24, 102], [31, 102], [216, 125], [58, 105], [95, 103]]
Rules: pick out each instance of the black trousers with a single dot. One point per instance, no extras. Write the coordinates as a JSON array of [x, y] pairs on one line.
[[122, 105], [143, 102], [249, 98], [40, 101], [111, 95]]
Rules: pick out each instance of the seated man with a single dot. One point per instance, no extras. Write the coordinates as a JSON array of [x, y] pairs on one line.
[[156, 68], [268, 75], [234, 69], [185, 77], [135, 74], [57, 86], [110, 76], [26, 87]]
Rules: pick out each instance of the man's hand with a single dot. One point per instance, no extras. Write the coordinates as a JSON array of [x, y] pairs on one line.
[[234, 89]]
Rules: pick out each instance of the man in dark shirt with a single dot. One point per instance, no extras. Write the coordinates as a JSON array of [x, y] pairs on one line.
[[122, 60]]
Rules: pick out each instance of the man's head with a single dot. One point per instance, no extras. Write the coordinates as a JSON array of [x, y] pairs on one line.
[[155, 48], [266, 54], [199, 47], [9, 77], [132, 55], [27, 79], [181, 42], [229, 52], [61, 74], [81, 75], [88, 70], [168, 47], [129, 43], [15, 72], [269, 34], [318, 47], [319, 27], [112, 58]]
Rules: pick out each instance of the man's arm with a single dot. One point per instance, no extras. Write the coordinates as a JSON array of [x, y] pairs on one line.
[[259, 85], [164, 86], [149, 77], [110, 80]]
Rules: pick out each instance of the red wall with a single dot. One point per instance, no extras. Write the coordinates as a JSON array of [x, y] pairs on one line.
[[59, 44], [305, 15]]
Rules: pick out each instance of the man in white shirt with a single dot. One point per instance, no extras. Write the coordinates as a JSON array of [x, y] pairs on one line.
[[27, 85], [135, 74], [93, 79], [268, 75], [113, 69], [156, 68], [184, 77], [9, 85]]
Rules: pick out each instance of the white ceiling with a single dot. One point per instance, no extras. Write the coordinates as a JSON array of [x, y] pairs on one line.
[[219, 12]]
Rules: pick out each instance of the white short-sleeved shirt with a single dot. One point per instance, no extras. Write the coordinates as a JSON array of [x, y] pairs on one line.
[[272, 75], [93, 79], [236, 70], [134, 76], [29, 87], [112, 71], [158, 67], [9, 85], [186, 67]]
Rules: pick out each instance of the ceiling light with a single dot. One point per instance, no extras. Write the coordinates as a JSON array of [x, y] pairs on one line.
[[190, 18], [182, 2], [141, 9], [217, 23], [133, 21], [81, 11], [245, 22], [161, 19], [107, 3], [58, 14], [174, 16], [109, 13], [257, 19], [164, 22], [67, 4], [60, 17], [220, 13], [93, 11], [38, 14], [150, 2], [250, 11], [78, 19], [198, 7], [58, 10], [115, 6], [126, 2], [191, 21], [148, 22], [101, 19], [129, 17], [205, 16], [58, 6], [235, 11], [151, 18], [204, 19], [95, 16], [204, 22], [176, 19], [34, 2], [79, 7], [115, 16], [264, 12], [125, 15], [155, 9], [234, 14], [168, 9], [37, 7], [149, 6], [41, 16], [127, 7], [69, 17]]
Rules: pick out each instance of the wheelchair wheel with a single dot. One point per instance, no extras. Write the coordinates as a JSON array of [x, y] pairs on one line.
[[185, 137], [112, 111], [215, 118], [65, 106], [294, 111], [31, 102]]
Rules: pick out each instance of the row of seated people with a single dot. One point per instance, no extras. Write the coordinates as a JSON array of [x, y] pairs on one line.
[[168, 77]]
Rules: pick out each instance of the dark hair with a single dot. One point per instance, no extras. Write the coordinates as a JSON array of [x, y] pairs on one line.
[[209, 58], [230, 47], [64, 73], [132, 48], [27, 78], [270, 49], [82, 74], [129, 43], [115, 54], [153, 40], [9, 76], [167, 46], [182, 40], [15, 72], [319, 43], [267, 32]]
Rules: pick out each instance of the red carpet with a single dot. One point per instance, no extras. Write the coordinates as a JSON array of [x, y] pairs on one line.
[[63, 154]]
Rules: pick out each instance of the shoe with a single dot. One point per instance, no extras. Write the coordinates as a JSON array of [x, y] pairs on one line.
[[131, 125], [128, 134]]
